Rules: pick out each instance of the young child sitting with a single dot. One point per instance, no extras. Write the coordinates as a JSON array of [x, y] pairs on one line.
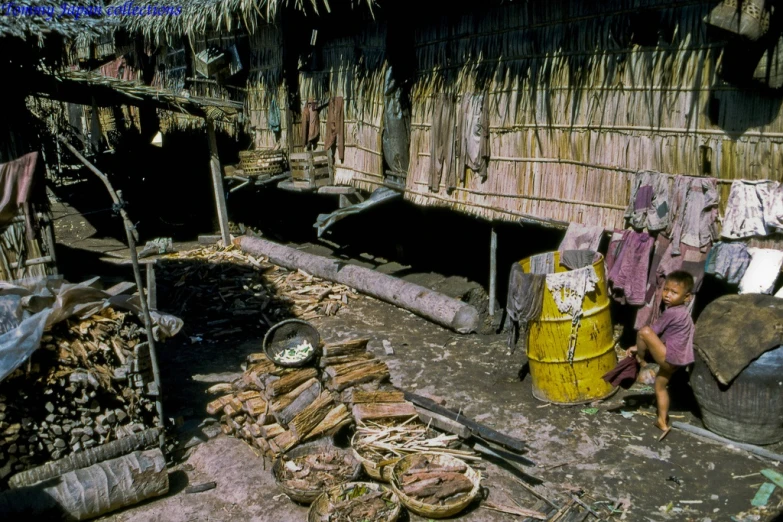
[[669, 340]]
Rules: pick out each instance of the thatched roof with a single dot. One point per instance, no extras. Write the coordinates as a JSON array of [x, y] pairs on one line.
[[198, 16], [22, 18]]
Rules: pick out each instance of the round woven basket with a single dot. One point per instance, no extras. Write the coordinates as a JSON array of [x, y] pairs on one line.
[[319, 510], [430, 510], [306, 496], [382, 473], [288, 334], [261, 162]]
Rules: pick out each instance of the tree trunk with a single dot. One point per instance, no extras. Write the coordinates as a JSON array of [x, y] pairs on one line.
[[439, 308]]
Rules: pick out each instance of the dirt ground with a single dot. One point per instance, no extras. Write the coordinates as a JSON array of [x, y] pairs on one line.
[[612, 454]]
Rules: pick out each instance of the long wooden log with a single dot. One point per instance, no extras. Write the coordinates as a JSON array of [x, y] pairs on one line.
[[85, 458], [102, 487], [361, 396], [342, 369], [761, 452], [309, 417], [439, 308]]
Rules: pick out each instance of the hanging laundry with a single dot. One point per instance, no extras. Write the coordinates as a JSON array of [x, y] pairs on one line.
[[627, 279], [744, 211], [614, 248], [442, 143], [273, 117], [771, 196], [581, 237], [664, 262], [335, 127], [473, 138], [542, 264], [694, 211], [311, 124], [16, 179], [728, 261], [762, 271], [523, 305], [569, 290], [649, 204], [396, 125], [576, 259]]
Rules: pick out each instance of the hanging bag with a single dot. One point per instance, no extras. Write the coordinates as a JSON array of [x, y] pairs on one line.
[[747, 18]]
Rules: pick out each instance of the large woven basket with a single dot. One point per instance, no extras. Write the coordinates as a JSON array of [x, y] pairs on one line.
[[750, 20], [373, 469], [306, 496], [430, 510], [262, 162], [319, 510]]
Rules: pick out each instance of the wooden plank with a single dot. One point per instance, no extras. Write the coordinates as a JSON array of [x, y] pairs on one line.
[[479, 430], [289, 382], [345, 347], [383, 410], [443, 423], [377, 372], [343, 359]]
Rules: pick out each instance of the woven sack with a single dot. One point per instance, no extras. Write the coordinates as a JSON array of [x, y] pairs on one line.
[[748, 18]]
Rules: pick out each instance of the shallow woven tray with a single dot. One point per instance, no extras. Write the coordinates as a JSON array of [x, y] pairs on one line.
[[306, 496], [430, 510], [318, 510]]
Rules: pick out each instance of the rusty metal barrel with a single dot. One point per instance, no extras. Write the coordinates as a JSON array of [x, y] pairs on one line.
[[556, 378]]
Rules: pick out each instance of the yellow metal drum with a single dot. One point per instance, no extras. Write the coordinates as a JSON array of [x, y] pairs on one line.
[[554, 378]]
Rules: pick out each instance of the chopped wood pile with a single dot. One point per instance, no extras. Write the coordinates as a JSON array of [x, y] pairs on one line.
[[87, 385], [241, 294], [434, 483], [317, 471], [275, 408]]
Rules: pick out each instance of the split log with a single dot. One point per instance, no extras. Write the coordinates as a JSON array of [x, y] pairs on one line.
[[255, 407], [342, 369], [345, 347], [283, 401], [223, 387], [309, 417], [342, 359], [262, 444], [284, 442], [102, 487], [362, 396], [290, 381], [234, 407], [376, 372], [270, 431], [333, 421], [217, 405], [383, 410], [439, 308], [254, 429], [85, 458], [303, 399], [247, 395]]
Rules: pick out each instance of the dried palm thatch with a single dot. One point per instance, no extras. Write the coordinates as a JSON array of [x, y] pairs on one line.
[[578, 102], [200, 16]]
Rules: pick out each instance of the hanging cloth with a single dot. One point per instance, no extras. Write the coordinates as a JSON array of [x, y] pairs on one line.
[[744, 212], [311, 124], [273, 117], [649, 204], [442, 143], [335, 127], [569, 290], [523, 305], [473, 138]]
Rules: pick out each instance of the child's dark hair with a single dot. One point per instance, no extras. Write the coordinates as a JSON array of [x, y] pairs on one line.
[[682, 277]]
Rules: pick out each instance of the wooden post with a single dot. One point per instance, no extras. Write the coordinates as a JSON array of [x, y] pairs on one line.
[[152, 287], [217, 183], [493, 270]]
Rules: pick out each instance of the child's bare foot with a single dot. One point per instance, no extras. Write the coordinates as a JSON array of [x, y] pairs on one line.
[[661, 425]]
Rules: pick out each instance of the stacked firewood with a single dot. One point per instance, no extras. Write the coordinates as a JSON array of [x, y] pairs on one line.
[[88, 384], [276, 408], [240, 293]]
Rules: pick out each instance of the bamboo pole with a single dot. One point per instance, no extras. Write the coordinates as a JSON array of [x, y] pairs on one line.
[[132, 234], [493, 269]]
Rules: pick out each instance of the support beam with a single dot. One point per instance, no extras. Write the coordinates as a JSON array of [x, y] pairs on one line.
[[493, 270], [217, 183], [152, 287]]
